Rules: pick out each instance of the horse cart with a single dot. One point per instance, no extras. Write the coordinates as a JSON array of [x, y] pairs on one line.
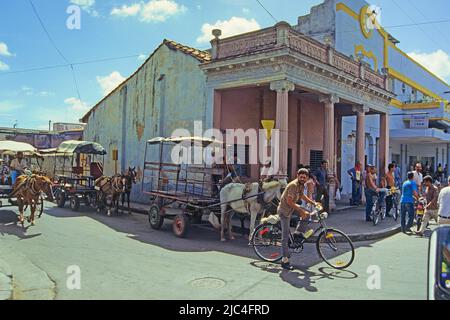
[[178, 191], [8, 150], [76, 166]]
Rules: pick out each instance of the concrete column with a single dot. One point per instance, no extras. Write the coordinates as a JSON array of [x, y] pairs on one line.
[[282, 87], [384, 143], [360, 133], [329, 133]]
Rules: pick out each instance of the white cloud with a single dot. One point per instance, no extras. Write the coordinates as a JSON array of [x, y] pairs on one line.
[[437, 62], [245, 10], [76, 105], [109, 83], [3, 66], [231, 27], [142, 57], [4, 50], [151, 11], [126, 11], [86, 5]]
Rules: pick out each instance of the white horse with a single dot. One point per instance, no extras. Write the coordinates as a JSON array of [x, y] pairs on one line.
[[231, 196]]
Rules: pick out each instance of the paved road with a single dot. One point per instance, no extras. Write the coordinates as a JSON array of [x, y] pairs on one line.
[[120, 257]]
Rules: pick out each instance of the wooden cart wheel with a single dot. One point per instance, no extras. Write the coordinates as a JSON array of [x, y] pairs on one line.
[[40, 206], [74, 203], [61, 199], [181, 225], [155, 218]]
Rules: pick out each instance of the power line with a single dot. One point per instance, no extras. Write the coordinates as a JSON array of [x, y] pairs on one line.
[[421, 13], [68, 65], [412, 20], [46, 32], [57, 49], [275, 19]]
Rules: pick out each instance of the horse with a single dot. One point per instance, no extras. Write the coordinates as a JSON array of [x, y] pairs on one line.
[[130, 179], [243, 199], [27, 189], [112, 187]]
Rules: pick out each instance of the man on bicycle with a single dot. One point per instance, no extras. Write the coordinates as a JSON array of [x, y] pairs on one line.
[[372, 191], [288, 205], [389, 183]]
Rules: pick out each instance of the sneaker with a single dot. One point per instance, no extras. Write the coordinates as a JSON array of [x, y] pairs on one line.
[[287, 266]]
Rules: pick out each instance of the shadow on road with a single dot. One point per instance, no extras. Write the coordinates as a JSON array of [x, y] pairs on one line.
[[9, 224], [303, 277], [201, 238]]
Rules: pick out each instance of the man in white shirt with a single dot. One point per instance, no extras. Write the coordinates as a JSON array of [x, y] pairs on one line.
[[418, 177], [444, 205]]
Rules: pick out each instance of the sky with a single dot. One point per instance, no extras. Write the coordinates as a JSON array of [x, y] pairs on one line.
[[37, 84]]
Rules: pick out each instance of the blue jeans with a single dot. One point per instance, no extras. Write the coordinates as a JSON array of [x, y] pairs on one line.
[[369, 200], [356, 192], [407, 208]]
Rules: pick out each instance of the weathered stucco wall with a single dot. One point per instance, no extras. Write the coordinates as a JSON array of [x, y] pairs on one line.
[[168, 92]]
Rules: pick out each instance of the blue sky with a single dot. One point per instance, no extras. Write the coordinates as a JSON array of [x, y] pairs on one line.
[[134, 28]]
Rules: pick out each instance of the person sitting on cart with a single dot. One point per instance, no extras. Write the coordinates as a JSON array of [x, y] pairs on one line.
[[4, 173], [18, 166]]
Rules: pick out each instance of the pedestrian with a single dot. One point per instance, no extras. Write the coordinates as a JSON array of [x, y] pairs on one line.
[[418, 177], [288, 205], [321, 176], [355, 174], [389, 183], [397, 175], [444, 205], [440, 173], [371, 190], [409, 192], [445, 172], [431, 209]]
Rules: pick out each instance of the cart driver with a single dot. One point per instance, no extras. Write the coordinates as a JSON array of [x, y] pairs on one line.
[[18, 164]]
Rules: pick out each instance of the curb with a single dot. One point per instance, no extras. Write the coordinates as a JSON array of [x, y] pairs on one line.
[[6, 281]]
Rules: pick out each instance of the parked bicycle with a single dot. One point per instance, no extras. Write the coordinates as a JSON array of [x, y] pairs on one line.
[[379, 209], [333, 246], [395, 194]]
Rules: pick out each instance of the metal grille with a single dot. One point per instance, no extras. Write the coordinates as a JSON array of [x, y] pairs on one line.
[[315, 158]]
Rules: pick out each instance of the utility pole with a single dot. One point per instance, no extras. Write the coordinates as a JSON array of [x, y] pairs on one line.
[[49, 125]]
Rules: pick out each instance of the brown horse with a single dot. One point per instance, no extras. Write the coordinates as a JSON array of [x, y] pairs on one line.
[[130, 178], [28, 190], [110, 187]]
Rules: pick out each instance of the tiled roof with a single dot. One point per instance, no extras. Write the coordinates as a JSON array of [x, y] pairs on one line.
[[202, 56]]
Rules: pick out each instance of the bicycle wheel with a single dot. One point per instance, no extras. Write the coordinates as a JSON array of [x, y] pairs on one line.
[[396, 212], [336, 249], [383, 213], [375, 214], [266, 241]]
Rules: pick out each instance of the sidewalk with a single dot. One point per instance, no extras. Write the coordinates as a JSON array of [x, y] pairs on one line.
[[349, 219]]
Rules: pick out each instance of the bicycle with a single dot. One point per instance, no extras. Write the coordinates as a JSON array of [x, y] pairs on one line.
[[333, 246], [395, 194], [378, 209]]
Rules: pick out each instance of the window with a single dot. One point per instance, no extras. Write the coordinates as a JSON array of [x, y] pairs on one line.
[[315, 158]]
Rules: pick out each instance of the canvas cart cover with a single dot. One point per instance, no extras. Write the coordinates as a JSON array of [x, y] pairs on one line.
[[86, 147], [12, 147]]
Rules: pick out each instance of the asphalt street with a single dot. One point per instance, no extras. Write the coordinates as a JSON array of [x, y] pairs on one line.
[[121, 257]]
